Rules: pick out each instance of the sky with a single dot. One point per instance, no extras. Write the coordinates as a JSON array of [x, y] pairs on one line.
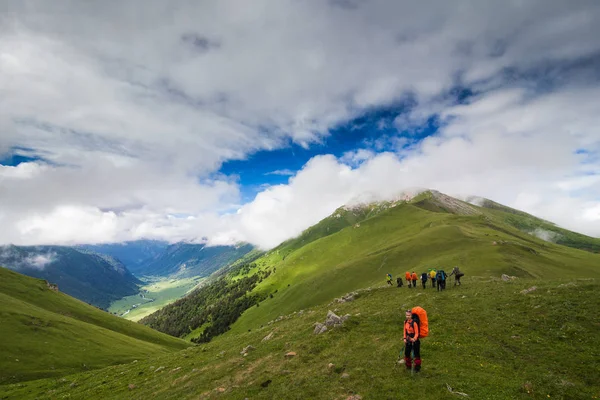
[[225, 122]]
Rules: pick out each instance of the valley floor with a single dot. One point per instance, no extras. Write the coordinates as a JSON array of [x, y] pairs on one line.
[[154, 294], [488, 340]]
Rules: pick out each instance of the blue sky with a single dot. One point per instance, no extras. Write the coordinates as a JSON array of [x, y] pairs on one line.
[[374, 130], [223, 120]]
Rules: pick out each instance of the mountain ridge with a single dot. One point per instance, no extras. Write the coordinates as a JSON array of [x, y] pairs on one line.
[[90, 277], [356, 245]]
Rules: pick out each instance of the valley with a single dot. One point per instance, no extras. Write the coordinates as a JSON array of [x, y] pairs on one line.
[[154, 294]]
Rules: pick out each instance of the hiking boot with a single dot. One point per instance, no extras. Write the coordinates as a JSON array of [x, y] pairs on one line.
[[417, 365]]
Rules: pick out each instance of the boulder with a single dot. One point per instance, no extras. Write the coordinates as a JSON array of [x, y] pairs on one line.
[[246, 350], [531, 289], [319, 328], [332, 319], [268, 337], [290, 354]]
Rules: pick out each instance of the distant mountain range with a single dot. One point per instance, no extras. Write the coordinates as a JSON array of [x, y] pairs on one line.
[[189, 259], [182, 260], [93, 278], [101, 274], [135, 255]]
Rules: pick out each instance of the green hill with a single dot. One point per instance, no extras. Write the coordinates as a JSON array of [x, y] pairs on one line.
[[355, 248], [538, 227], [487, 340], [47, 333], [412, 236]]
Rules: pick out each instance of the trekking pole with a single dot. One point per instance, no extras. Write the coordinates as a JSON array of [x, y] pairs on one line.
[[399, 357], [412, 370]]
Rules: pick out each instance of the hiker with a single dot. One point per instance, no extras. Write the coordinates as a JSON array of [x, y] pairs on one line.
[[408, 278], [414, 278], [424, 279], [432, 274], [389, 279], [411, 342], [457, 275], [399, 281], [441, 280]]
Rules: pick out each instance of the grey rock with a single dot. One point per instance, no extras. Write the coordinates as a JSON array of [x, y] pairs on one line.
[[246, 350], [531, 289], [332, 319], [319, 328]]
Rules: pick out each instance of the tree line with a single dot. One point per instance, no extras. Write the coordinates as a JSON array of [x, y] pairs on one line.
[[215, 306]]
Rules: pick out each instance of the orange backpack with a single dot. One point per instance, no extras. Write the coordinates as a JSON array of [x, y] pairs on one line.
[[422, 321]]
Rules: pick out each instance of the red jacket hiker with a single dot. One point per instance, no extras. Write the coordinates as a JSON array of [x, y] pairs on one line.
[[411, 342], [411, 330]]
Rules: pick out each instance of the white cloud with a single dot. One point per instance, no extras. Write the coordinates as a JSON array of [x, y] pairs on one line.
[[135, 105], [22, 171], [282, 172], [501, 146], [40, 261], [356, 157], [30, 258]]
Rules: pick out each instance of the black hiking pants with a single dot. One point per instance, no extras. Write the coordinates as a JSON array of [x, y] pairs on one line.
[[424, 284], [412, 347], [441, 284]]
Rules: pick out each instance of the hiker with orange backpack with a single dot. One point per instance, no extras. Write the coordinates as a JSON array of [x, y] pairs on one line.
[[414, 278], [416, 326], [408, 278]]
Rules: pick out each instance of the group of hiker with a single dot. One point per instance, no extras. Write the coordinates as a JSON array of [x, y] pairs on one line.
[[437, 277], [416, 324]]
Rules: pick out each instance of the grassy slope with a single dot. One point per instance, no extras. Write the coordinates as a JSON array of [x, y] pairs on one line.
[[487, 340], [51, 334], [529, 223], [404, 238]]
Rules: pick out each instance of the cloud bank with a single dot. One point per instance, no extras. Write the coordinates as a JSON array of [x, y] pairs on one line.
[[127, 111]]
